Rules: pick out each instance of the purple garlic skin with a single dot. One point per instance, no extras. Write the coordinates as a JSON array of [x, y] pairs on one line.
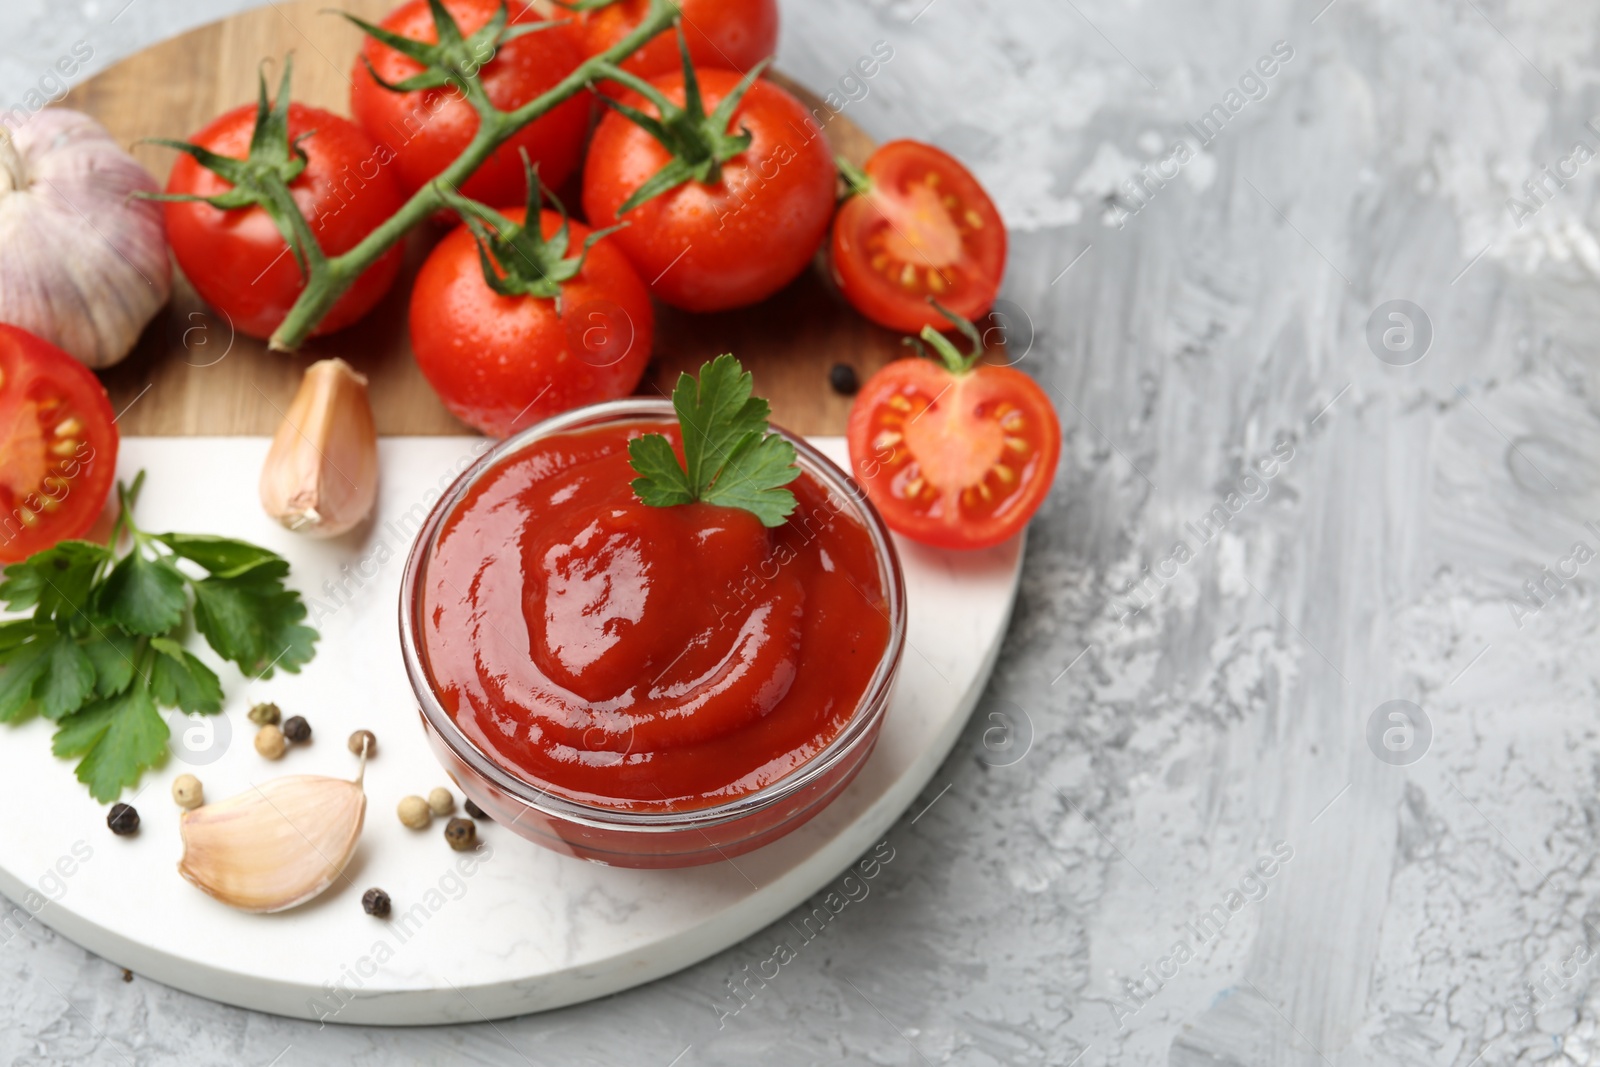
[[85, 264]]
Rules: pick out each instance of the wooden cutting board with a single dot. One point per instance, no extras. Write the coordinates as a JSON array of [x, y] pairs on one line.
[[191, 375]]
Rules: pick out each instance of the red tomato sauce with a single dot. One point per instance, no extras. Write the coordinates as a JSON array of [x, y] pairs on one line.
[[646, 658]]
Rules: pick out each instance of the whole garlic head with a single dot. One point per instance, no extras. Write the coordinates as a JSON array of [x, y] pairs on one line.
[[84, 264]]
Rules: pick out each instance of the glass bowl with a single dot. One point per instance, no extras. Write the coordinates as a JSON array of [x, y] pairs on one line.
[[651, 839]]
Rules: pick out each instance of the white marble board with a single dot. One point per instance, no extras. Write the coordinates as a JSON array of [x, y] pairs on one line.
[[521, 929]]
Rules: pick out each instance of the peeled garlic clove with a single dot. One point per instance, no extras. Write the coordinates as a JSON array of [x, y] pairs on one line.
[[275, 846], [321, 475]]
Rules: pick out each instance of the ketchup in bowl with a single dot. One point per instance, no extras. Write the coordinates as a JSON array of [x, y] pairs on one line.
[[643, 685]]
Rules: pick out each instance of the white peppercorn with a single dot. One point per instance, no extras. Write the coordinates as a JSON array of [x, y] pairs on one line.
[[187, 792], [270, 742], [414, 812]]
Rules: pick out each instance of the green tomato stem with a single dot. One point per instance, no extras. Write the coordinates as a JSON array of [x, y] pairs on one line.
[[330, 277], [856, 180]]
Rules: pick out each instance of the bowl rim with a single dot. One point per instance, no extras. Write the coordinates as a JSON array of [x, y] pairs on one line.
[[869, 711]]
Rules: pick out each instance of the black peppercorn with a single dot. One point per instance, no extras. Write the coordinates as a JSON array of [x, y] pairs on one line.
[[843, 379], [296, 729], [475, 811], [462, 834], [375, 902], [123, 820]]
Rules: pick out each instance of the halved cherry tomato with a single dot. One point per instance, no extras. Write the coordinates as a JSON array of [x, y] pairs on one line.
[[238, 261], [58, 445], [502, 363], [954, 460], [429, 128], [731, 34], [924, 229]]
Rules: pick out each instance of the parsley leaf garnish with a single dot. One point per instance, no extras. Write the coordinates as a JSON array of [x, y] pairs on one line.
[[730, 456], [102, 653]]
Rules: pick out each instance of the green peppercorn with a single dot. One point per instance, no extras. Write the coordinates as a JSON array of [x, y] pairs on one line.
[[375, 902], [297, 730], [266, 715], [124, 820], [462, 834]]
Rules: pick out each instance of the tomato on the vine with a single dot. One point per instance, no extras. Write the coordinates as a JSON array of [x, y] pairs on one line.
[[732, 34], [740, 234], [427, 129], [918, 226], [238, 260], [958, 455], [502, 361], [58, 445]]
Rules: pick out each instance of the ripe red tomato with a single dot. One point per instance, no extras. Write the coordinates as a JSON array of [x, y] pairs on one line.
[[58, 445], [239, 262], [954, 460], [714, 247], [502, 363], [429, 128], [732, 34], [927, 228]]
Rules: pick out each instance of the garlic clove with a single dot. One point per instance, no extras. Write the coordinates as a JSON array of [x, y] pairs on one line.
[[321, 474], [277, 845]]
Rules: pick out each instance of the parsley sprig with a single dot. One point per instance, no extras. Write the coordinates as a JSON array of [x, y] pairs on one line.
[[730, 456], [102, 651]]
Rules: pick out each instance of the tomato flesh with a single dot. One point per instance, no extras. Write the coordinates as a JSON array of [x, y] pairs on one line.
[[927, 230], [58, 446], [954, 460], [427, 129]]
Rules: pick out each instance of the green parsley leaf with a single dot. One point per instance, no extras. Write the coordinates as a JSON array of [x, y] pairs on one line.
[[68, 679], [117, 738], [716, 413], [220, 555], [23, 667], [249, 617], [752, 477], [178, 679], [663, 484], [55, 583], [731, 458], [143, 595], [113, 654], [17, 632]]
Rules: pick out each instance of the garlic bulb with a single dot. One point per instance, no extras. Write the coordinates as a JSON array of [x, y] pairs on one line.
[[321, 474], [278, 845], [84, 264]]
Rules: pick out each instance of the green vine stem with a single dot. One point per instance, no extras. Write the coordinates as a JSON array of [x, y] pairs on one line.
[[328, 278]]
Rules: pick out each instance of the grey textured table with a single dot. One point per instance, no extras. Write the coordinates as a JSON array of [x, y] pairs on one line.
[[1189, 825]]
